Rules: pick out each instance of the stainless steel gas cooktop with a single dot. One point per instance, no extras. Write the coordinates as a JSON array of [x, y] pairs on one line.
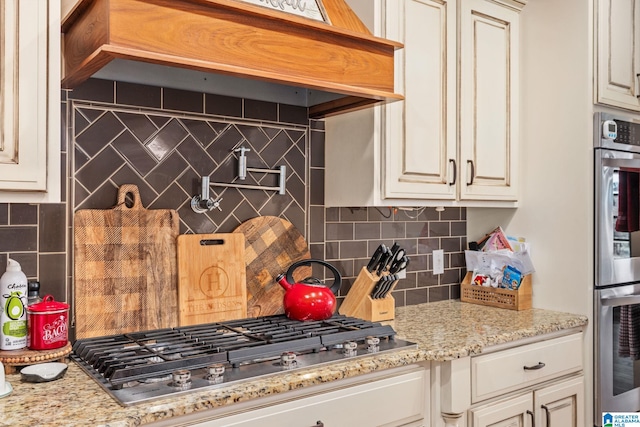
[[142, 366]]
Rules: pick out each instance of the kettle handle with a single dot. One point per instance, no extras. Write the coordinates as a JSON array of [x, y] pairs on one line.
[[337, 279]]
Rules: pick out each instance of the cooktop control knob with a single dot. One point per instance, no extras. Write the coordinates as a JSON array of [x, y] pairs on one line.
[[373, 344], [215, 373], [350, 348], [288, 360], [181, 379]]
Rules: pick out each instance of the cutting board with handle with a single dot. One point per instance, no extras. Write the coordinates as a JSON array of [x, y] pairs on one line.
[[125, 268], [272, 244], [211, 278]]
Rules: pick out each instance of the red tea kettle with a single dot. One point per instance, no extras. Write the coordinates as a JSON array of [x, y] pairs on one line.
[[309, 299]]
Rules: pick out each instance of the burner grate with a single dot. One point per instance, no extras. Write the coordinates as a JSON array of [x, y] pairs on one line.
[[141, 356]]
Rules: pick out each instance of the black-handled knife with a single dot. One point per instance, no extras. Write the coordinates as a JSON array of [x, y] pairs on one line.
[[384, 280], [375, 258], [376, 288], [394, 248], [384, 260], [391, 279]]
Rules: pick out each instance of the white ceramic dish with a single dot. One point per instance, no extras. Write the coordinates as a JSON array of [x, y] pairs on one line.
[[7, 390], [43, 372]]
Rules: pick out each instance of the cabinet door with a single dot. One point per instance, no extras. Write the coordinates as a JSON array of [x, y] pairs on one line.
[[489, 96], [618, 53], [30, 99], [514, 412], [561, 405], [420, 132]]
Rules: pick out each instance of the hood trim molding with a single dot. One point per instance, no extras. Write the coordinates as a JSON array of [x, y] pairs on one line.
[[239, 39]]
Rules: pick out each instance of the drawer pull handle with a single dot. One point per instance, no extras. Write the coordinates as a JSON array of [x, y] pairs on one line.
[[540, 365], [533, 418]]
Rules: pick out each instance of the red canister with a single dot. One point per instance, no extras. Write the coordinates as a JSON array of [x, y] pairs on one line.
[[48, 324]]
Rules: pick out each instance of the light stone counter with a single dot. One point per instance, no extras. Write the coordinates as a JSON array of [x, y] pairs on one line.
[[444, 330]]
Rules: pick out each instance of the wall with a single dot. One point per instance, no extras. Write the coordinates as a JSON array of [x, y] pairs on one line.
[[35, 236], [556, 207]]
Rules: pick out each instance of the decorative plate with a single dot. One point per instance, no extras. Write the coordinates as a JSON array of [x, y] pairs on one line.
[[43, 372]]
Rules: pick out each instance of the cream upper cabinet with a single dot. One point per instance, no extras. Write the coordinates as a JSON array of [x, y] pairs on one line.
[[618, 53], [453, 141], [489, 97], [419, 139], [30, 101]]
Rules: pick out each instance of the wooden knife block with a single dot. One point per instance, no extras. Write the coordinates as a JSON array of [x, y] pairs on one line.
[[358, 302]]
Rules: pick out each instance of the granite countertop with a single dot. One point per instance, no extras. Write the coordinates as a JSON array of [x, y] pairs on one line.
[[443, 331]]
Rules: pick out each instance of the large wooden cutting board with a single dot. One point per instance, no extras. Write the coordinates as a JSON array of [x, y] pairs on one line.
[[125, 269], [211, 278], [272, 245]]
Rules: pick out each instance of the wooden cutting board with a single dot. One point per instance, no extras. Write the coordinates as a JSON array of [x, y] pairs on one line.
[[211, 278], [272, 244], [125, 268]]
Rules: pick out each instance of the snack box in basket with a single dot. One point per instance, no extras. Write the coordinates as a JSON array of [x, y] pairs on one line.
[[512, 299]]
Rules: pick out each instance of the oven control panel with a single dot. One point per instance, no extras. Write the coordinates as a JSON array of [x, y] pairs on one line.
[[627, 132], [617, 132]]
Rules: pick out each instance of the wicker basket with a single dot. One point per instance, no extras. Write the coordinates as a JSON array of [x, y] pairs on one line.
[[519, 299]]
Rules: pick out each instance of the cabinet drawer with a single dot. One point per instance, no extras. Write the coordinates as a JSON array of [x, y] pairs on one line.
[[504, 371], [393, 401]]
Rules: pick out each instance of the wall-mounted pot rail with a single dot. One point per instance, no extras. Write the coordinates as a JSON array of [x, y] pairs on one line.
[[203, 202]]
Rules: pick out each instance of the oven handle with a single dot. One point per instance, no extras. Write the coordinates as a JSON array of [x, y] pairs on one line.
[[620, 301], [621, 163]]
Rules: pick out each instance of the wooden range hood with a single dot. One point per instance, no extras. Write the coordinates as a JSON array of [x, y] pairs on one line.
[[234, 38]]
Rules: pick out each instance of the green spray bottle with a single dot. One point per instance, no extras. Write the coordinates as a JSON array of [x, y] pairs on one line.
[[13, 299]]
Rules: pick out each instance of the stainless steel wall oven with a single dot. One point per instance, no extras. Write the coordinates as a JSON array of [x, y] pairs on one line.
[[617, 264]]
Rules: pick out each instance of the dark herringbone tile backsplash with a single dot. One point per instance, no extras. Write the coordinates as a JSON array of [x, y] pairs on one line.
[[166, 156]]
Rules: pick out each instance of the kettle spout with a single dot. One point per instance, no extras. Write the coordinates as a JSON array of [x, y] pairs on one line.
[[282, 279]]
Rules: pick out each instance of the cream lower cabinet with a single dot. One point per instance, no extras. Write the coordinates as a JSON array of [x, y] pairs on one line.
[[453, 140], [558, 405], [537, 383], [618, 53], [397, 397], [30, 101]]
